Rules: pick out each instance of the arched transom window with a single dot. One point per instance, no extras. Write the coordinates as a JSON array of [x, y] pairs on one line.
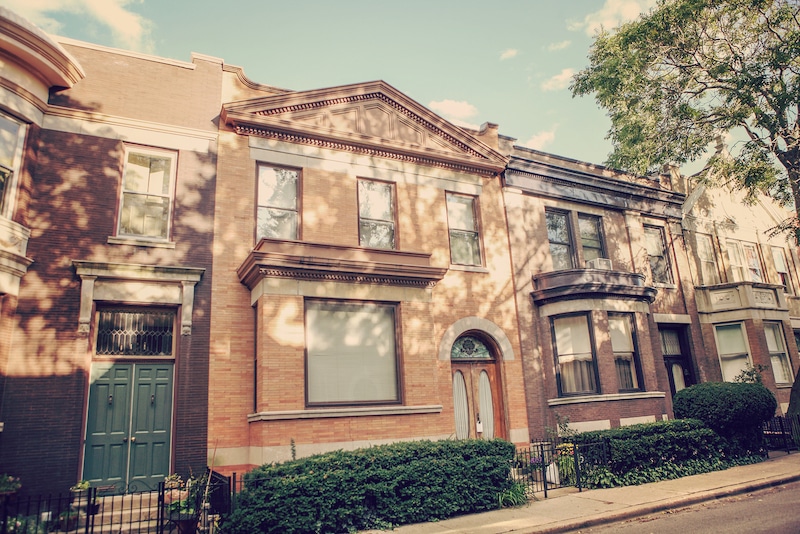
[[470, 348]]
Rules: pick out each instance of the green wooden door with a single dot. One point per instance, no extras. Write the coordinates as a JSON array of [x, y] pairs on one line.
[[128, 425]]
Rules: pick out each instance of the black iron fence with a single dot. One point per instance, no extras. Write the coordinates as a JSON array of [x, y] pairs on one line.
[[165, 510], [547, 465], [782, 433]]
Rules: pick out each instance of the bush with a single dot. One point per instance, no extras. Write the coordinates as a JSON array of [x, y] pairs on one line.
[[377, 487], [651, 445], [735, 411]]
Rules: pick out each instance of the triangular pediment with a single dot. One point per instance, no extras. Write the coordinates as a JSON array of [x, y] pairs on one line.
[[369, 117]]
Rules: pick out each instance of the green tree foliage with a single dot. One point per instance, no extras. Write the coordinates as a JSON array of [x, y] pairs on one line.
[[690, 70]]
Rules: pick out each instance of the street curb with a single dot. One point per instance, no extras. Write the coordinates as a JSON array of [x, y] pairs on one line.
[[647, 509]]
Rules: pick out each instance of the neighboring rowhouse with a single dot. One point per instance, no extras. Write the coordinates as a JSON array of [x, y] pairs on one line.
[[108, 170], [747, 291], [603, 292], [362, 290]]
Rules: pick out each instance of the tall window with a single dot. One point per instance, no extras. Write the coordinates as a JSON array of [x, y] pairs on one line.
[[351, 353], [575, 363], [147, 188], [734, 356], [376, 214], [709, 275], [591, 235], [778, 356], [12, 135], [753, 260], [558, 234], [657, 254], [781, 265], [620, 330], [677, 364], [123, 332], [277, 203], [464, 237], [735, 258]]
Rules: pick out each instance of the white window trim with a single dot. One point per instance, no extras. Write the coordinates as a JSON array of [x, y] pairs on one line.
[[297, 198], [119, 238], [746, 346], [476, 230], [10, 198]]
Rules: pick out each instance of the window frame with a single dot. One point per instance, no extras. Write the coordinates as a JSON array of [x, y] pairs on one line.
[[474, 233], [393, 206], [358, 305], [721, 355], [297, 211], [783, 356], [111, 307], [170, 196], [660, 232], [597, 221], [707, 265], [753, 263], [557, 357], [8, 195], [569, 243], [784, 276], [636, 371]]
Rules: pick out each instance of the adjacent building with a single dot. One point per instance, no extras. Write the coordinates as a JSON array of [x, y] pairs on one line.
[[198, 269]]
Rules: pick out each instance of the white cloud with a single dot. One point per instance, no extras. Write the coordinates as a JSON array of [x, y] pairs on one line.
[[611, 15], [540, 140], [552, 47], [508, 54], [455, 112], [128, 29], [559, 81]]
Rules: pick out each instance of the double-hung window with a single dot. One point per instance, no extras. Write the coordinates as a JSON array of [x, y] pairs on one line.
[[778, 356], [709, 275], [590, 229], [277, 215], [575, 360], [657, 256], [464, 237], [148, 183], [782, 267], [376, 219], [558, 234], [12, 137], [351, 353], [745, 262], [753, 260], [734, 356], [620, 329]]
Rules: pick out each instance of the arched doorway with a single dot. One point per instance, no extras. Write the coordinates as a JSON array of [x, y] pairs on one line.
[[476, 388]]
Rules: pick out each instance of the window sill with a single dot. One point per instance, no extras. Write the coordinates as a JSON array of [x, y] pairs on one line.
[[469, 268], [783, 386], [138, 242], [343, 412], [664, 286], [606, 398]]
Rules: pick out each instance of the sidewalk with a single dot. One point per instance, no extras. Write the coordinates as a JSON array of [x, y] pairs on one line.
[[567, 509]]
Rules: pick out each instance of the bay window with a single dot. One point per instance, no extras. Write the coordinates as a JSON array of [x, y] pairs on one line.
[[734, 355], [620, 329], [576, 369]]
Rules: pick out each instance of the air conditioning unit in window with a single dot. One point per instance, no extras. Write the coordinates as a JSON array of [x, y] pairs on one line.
[[599, 263]]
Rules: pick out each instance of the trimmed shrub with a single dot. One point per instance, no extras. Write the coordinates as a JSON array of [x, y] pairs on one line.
[[377, 487], [652, 445], [735, 411]]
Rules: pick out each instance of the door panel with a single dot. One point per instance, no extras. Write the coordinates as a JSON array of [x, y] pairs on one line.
[[460, 403], [128, 425], [476, 398]]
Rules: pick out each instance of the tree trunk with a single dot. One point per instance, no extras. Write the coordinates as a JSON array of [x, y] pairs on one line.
[[791, 162]]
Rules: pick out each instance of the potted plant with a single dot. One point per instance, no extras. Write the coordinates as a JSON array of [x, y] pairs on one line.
[[69, 520], [536, 468], [181, 502]]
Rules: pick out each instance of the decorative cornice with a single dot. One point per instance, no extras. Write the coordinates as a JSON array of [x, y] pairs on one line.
[[574, 284], [32, 47], [313, 261], [365, 150]]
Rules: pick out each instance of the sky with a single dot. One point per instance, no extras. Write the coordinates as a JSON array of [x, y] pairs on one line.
[[507, 62]]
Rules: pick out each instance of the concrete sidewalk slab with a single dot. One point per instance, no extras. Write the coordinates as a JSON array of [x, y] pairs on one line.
[[566, 510]]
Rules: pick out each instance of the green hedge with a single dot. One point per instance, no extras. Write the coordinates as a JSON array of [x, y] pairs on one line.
[[376, 487], [654, 444], [734, 410]]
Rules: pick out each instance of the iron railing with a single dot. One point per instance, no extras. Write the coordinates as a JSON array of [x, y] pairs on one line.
[[547, 465], [782, 433]]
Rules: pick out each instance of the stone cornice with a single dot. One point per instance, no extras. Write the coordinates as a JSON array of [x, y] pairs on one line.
[[593, 188], [32, 47], [590, 283], [312, 261]]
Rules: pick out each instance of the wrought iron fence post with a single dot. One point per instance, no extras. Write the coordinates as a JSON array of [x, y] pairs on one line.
[[576, 461]]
